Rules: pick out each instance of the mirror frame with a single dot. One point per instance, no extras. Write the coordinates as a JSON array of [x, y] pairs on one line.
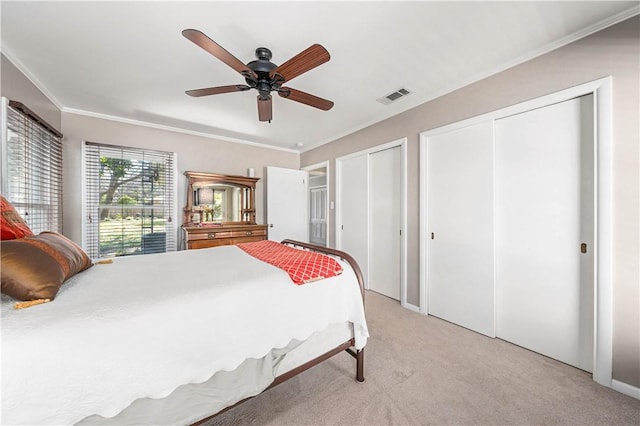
[[247, 186]]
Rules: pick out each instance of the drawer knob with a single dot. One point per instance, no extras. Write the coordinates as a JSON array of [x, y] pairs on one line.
[[248, 233], [211, 235]]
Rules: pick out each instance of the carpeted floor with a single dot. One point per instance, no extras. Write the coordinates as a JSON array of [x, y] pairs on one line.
[[422, 370]]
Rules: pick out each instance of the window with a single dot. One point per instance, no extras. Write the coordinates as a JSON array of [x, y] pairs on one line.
[[130, 201], [32, 167]]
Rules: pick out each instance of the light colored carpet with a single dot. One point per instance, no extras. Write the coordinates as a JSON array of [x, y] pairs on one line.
[[423, 370]]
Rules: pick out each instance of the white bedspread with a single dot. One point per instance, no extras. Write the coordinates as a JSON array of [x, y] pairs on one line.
[[144, 325]]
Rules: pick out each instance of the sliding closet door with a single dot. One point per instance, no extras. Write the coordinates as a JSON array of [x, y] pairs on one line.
[[460, 227], [385, 194], [353, 202], [544, 230]]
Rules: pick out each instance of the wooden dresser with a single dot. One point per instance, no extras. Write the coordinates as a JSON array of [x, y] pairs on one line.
[[197, 237], [220, 211]]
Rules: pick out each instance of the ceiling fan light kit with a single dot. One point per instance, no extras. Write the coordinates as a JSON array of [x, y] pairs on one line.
[[263, 75]]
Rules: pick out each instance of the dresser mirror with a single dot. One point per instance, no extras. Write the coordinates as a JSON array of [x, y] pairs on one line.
[[215, 199], [218, 203]]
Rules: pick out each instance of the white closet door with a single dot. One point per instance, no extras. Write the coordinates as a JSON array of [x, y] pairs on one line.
[[353, 225], [460, 219], [544, 211], [385, 194]]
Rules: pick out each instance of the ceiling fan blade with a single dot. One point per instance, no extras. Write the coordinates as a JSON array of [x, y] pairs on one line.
[[264, 108], [217, 90], [305, 98], [218, 51], [302, 62]]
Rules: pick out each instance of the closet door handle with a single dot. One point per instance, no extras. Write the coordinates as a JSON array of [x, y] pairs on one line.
[[433, 237], [583, 248]]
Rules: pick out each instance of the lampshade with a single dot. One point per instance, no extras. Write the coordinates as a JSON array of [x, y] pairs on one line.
[[205, 196]]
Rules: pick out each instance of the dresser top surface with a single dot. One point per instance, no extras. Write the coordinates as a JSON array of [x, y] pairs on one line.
[[211, 227]]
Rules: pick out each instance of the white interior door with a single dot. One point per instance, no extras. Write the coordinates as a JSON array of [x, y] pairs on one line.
[[318, 215], [287, 204], [385, 195], [353, 204], [460, 227], [544, 212]]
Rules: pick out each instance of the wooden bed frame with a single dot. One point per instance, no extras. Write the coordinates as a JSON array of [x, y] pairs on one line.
[[346, 346]]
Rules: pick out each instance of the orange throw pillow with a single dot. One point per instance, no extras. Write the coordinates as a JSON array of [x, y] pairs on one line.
[[35, 267], [12, 226]]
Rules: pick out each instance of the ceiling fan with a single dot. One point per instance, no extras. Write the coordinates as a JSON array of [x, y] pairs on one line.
[[263, 75]]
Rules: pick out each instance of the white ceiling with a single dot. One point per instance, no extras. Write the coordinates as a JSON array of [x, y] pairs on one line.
[[128, 60]]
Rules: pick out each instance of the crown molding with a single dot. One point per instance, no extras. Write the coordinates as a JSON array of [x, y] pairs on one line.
[[419, 100], [173, 129], [29, 76]]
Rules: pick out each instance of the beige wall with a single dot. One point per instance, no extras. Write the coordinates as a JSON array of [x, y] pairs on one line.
[[614, 51], [16, 87], [195, 153]]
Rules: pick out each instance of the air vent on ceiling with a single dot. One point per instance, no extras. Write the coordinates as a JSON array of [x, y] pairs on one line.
[[391, 97]]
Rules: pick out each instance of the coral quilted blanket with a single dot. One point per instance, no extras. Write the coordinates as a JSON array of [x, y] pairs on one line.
[[301, 265]]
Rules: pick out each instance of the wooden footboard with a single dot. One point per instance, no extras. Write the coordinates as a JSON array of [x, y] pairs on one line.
[[358, 354], [346, 346]]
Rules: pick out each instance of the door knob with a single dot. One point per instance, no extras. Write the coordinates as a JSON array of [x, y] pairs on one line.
[[271, 225]]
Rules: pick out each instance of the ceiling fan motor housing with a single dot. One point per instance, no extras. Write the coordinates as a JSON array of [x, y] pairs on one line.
[[262, 67]]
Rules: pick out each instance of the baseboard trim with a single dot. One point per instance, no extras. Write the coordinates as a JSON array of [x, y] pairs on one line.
[[626, 389], [411, 307]]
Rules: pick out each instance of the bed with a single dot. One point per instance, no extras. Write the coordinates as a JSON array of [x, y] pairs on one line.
[[174, 338]]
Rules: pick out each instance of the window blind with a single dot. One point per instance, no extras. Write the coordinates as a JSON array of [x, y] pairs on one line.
[[130, 201], [33, 169]]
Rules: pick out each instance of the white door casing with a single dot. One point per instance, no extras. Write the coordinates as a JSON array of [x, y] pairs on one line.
[[328, 204], [287, 204]]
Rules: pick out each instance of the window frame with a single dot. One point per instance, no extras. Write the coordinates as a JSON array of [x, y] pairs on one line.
[[44, 148], [173, 235]]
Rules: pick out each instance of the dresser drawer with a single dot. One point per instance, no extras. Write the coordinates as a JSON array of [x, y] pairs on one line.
[[204, 237], [249, 233], [199, 244], [241, 240], [209, 235]]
